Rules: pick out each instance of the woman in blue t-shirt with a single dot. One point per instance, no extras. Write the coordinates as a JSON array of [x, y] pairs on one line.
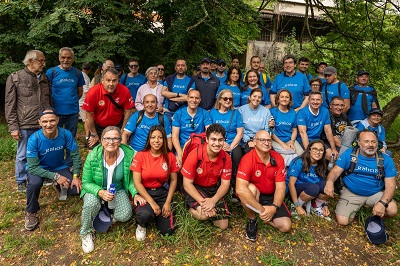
[[233, 84], [252, 81], [306, 177], [285, 132]]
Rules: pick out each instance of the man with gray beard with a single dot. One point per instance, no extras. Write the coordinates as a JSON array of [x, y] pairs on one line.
[[369, 179]]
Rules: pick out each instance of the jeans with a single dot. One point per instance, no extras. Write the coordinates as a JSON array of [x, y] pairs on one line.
[[20, 159], [69, 122]]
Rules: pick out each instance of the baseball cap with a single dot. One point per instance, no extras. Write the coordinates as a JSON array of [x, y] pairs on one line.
[[103, 220], [47, 111], [362, 72], [205, 59], [118, 67], [330, 70], [375, 230], [221, 61], [375, 111]]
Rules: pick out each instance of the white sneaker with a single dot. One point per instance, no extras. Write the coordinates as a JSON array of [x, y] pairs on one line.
[[140, 233], [87, 243], [318, 212]]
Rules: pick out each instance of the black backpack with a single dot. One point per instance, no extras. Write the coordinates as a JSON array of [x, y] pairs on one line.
[[141, 115], [325, 87], [354, 94]]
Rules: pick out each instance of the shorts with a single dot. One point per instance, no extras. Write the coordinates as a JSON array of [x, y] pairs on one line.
[[268, 199], [349, 203], [208, 192]]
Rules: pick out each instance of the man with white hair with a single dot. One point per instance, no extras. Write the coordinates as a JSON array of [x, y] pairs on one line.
[[27, 91]]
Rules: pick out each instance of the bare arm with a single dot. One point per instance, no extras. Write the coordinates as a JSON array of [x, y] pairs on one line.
[[80, 92], [246, 196], [127, 115], [346, 105], [329, 136], [137, 180], [125, 137], [305, 102], [303, 135], [191, 190], [89, 125], [332, 176], [238, 137], [169, 143], [173, 96], [176, 143], [272, 97]]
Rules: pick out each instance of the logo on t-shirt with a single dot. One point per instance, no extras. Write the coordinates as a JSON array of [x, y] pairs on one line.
[[258, 173], [164, 166], [199, 171], [101, 103]]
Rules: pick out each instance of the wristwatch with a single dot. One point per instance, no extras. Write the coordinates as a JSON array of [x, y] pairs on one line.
[[384, 203], [276, 206]]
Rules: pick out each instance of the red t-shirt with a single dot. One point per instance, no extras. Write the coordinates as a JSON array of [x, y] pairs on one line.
[[104, 111], [208, 172], [154, 169], [253, 170]]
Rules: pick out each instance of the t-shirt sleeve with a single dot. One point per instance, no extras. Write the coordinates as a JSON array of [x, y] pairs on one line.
[[207, 118], [245, 169], [70, 141], [89, 103], [131, 125], [344, 91], [301, 118], [81, 79], [128, 100], [266, 97], [173, 163], [281, 171], [390, 168], [227, 169], [307, 87], [239, 119], [167, 126], [274, 86], [32, 150], [295, 168], [344, 159], [327, 117], [189, 167], [136, 165], [177, 118]]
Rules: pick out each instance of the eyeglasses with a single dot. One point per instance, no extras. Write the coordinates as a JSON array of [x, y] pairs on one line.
[[112, 140], [192, 123], [133, 66], [161, 69], [315, 85], [40, 60], [263, 141], [227, 99], [316, 150], [222, 65]]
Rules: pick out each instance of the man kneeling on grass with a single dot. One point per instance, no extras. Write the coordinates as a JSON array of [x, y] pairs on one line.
[[45, 156], [206, 178], [260, 185]]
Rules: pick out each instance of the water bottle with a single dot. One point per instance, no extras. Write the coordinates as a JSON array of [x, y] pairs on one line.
[[112, 190], [331, 162], [271, 128], [63, 193]]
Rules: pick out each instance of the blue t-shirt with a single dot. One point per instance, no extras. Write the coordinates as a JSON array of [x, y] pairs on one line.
[[140, 133], [314, 123], [178, 86], [189, 125], [50, 151], [64, 89], [244, 96], [333, 90], [267, 83], [133, 83], [221, 79], [356, 112], [301, 176], [364, 180], [323, 80], [235, 91], [223, 120], [284, 123], [297, 84], [254, 120]]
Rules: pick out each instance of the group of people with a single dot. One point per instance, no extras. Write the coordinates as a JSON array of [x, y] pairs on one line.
[[263, 140]]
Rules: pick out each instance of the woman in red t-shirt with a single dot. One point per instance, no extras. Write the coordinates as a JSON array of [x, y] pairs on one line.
[[155, 177]]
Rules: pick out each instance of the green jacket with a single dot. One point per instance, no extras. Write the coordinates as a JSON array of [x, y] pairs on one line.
[[92, 175]]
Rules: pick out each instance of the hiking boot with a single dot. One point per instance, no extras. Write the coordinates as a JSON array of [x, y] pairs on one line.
[[318, 211], [140, 233], [251, 230], [87, 243], [21, 187], [31, 221]]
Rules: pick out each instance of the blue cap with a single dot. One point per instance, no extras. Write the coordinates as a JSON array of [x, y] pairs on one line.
[[376, 230], [205, 59], [103, 220]]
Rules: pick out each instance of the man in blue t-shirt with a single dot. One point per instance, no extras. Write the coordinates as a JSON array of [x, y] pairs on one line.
[[312, 120], [67, 88], [140, 129], [333, 87], [303, 64], [370, 182], [221, 71], [45, 156], [175, 89], [362, 98], [133, 80], [292, 80], [187, 120]]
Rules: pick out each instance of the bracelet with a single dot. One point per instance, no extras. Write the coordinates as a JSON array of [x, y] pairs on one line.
[[92, 135], [56, 177], [276, 206], [75, 176], [384, 203]]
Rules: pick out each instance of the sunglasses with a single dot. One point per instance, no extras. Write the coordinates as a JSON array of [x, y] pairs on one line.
[[161, 69], [192, 123], [227, 99], [133, 66], [222, 65]]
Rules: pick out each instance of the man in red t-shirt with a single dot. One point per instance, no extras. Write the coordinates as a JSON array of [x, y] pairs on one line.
[[260, 185], [203, 170], [108, 103]]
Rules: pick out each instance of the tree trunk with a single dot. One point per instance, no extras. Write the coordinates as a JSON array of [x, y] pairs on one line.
[[391, 111]]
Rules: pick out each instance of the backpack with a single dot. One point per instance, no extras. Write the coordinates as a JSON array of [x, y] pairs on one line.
[[353, 162], [172, 105], [325, 86], [195, 141], [141, 115], [354, 95]]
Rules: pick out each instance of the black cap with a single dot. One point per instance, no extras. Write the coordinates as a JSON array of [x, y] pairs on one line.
[[221, 61], [375, 230], [213, 61], [362, 72], [47, 111], [205, 59], [118, 67], [375, 111]]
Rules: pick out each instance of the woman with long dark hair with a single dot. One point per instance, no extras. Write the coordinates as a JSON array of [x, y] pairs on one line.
[[307, 175], [233, 84], [155, 177], [252, 81]]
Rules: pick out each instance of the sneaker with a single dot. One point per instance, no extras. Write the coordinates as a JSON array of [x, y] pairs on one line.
[[87, 243], [21, 187], [318, 211], [47, 182], [251, 230], [293, 212], [31, 221], [140, 233]]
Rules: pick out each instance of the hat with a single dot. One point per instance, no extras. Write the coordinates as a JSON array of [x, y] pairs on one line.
[[375, 111], [47, 111], [376, 230], [213, 61], [118, 67], [221, 61], [103, 220], [362, 72], [330, 70], [205, 59]]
